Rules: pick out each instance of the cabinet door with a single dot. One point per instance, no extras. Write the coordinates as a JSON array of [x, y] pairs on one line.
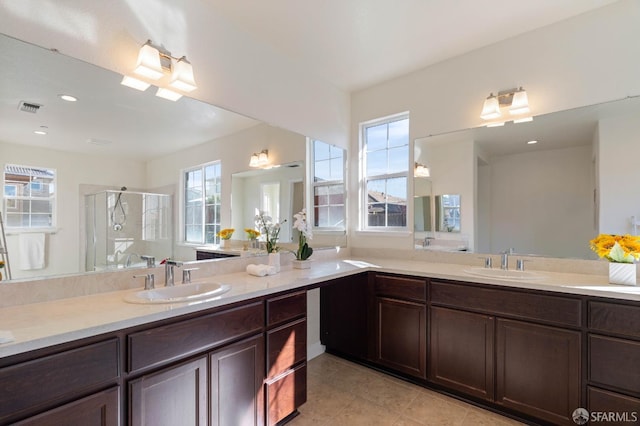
[[461, 351], [343, 316], [174, 396], [401, 335], [538, 370], [237, 375], [101, 409]]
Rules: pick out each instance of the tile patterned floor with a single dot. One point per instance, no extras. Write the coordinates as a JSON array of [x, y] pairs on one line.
[[346, 394]]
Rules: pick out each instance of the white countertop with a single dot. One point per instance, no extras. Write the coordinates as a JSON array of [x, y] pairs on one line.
[[39, 325]]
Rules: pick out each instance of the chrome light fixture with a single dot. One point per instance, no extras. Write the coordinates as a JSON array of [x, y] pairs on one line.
[[515, 101], [154, 63], [259, 159]]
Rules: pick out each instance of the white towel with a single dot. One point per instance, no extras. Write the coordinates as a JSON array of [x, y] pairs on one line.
[[31, 251], [6, 336], [260, 270]]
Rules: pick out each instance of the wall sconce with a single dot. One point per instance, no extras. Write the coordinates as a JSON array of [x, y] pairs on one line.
[[260, 159], [153, 63], [420, 170], [516, 100]]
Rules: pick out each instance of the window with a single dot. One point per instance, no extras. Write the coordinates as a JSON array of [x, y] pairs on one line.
[[328, 186], [29, 196], [202, 204], [385, 145]]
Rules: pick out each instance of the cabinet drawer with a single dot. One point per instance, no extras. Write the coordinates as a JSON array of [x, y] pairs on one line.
[[554, 309], [402, 288], [40, 383], [285, 308], [286, 346], [605, 401], [162, 344], [286, 393], [615, 318], [614, 362]]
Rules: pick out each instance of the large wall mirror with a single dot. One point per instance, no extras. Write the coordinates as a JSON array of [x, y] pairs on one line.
[[114, 144], [545, 187]]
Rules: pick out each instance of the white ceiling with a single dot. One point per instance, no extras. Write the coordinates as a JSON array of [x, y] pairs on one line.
[[351, 43], [358, 43]]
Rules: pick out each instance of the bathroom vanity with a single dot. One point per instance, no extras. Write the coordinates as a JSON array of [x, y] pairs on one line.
[[536, 350]]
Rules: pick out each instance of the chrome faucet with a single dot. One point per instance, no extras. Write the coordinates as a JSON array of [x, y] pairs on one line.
[[504, 258], [427, 241], [151, 260], [168, 272]]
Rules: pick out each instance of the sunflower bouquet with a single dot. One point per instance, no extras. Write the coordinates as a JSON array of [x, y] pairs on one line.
[[617, 248], [226, 233], [252, 234]]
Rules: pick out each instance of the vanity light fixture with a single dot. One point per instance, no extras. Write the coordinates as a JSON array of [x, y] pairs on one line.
[[420, 170], [515, 100], [259, 159], [154, 63]]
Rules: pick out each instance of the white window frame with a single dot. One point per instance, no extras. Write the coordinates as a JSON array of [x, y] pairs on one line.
[[183, 203], [314, 185], [11, 202], [364, 179]]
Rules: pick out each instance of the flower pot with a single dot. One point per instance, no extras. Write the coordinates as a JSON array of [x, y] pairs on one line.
[[274, 260], [622, 273], [301, 264]]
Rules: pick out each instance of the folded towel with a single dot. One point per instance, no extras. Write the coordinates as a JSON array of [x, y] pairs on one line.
[[31, 251], [6, 336], [260, 270]]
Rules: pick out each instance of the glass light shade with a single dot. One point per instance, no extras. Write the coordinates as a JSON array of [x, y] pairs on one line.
[[182, 76], [254, 161], [263, 159], [134, 83], [422, 171], [168, 94], [148, 64], [491, 108], [520, 103]]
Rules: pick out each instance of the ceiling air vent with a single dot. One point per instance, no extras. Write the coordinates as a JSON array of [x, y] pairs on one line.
[[28, 107]]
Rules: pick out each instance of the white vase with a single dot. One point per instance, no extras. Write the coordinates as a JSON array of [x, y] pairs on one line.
[[301, 264], [226, 244], [622, 273], [274, 260]]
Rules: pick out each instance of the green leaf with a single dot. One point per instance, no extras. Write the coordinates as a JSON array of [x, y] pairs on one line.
[[618, 255]]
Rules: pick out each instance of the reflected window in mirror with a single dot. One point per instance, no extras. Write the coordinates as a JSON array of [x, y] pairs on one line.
[[201, 210], [385, 171], [327, 170], [270, 200], [448, 213], [29, 197]]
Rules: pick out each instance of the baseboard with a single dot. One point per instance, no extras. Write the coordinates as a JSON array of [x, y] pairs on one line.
[[315, 349]]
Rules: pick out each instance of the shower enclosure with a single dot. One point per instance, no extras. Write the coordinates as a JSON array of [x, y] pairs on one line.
[[123, 228]]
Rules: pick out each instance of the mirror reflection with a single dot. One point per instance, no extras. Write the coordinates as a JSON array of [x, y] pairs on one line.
[[545, 187], [278, 191], [448, 213], [109, 138]]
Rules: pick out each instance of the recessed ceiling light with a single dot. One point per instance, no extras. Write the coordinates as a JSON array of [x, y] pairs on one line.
[[41, 131], [532, 142], [68, 98]]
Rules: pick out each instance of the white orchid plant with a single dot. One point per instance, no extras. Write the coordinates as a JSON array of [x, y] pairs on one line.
[[270, 230], [306, 233]]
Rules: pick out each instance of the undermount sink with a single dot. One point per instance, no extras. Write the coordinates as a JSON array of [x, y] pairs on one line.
[[180, 293], [503, 274]]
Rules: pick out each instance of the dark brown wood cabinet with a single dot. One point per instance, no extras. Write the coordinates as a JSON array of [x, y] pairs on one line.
[[236, 391], [286, 356], [400, 318], [174, 395], [344, 316], [461, 351], [538, 370], [100, 409]]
